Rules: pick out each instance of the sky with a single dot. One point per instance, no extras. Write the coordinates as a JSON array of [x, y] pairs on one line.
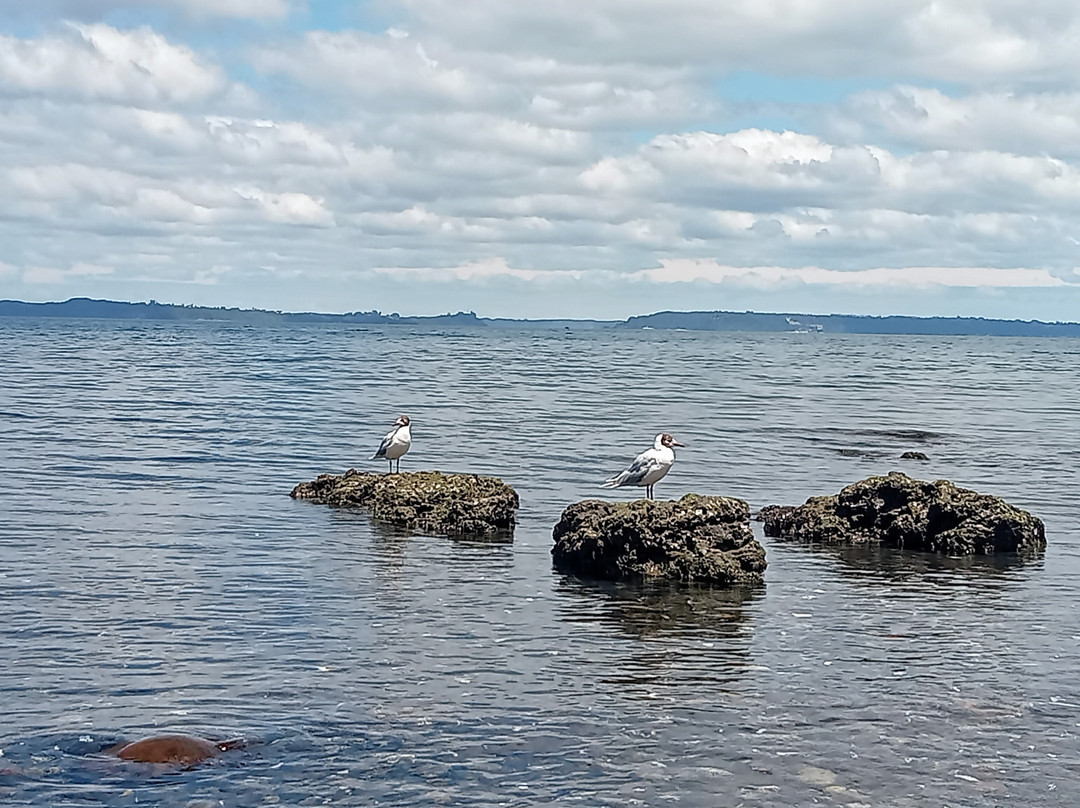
[[571, 158]]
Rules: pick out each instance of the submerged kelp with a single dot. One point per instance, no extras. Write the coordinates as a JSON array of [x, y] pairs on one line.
[[429, 501], [697, 538]]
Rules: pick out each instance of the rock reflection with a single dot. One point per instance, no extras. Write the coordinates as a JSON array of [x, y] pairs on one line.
[[396, 534], [391, 541], [499, 538], [877, 563], [688, 642], [653, 609], [390, 547]]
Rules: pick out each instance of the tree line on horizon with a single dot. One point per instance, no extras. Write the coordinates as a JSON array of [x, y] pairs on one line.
[[666, 320]]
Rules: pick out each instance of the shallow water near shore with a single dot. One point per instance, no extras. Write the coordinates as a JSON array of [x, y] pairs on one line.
[[156, 576]]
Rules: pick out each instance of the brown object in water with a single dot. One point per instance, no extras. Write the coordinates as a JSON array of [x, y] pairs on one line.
[[177, 749]]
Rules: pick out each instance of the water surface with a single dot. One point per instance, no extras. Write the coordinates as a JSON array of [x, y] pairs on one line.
[[155, 576]]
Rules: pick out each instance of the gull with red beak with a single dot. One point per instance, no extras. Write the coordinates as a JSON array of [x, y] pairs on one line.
[[395, 444], [649, 467]]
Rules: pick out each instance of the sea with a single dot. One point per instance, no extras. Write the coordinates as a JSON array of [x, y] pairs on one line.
[[156, 576]]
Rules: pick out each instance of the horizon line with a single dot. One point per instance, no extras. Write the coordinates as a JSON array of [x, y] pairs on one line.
[[398, 315]]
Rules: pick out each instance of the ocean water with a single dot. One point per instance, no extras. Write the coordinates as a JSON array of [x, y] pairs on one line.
[[155, 575]]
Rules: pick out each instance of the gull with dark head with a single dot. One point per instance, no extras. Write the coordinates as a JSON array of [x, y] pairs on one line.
[[395, 444], [649, 467]]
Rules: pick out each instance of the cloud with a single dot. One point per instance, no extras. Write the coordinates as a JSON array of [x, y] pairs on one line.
[[497, 146], [400, 72], [480, 271], [55, 276], [679, 270], [689, 271], [762, 170], [388, 67], [952, 40], [241, 9], [193, 9], [927, 118], [290, 208], [102, 62]]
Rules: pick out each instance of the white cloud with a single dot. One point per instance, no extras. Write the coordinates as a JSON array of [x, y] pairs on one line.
[[571, 145], [290, 208], [99, 196], [680, 270], [773, 171], [953, 40], [688, 271], [102, 62], [249, 9], [194, 9], [55, 275], [759, 157], [388, 67], [405, 73], [925, 117], [166, 205], [480, 271]]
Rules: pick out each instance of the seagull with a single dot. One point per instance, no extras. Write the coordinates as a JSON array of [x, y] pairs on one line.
[[396, 443], [649, 467]]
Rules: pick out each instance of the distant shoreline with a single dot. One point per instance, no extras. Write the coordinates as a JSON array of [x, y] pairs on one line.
[[748, 321]]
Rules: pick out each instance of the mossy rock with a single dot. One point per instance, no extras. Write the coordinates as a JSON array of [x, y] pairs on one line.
[[695, 539], [898, 511], [427, 501]]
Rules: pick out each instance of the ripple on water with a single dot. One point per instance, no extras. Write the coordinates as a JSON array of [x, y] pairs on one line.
[[156, 576]]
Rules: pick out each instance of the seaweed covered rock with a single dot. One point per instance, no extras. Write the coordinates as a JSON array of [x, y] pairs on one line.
[[898, 511], [429, 501], [697, 538], [770, 513]]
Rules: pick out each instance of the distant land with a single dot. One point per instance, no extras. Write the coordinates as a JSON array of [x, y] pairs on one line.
[[81, 307]]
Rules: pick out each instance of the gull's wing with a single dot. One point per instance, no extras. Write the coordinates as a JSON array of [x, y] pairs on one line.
[[635, 472], [386, 441]]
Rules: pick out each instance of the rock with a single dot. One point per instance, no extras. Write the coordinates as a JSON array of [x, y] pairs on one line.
[[429, 501], [816, 776], [696, 539], [914, 456], [771, 513], [183, 750], [847, 452], [898, 511]]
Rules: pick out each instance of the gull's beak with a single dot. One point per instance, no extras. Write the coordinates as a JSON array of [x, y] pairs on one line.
[[676, 443]]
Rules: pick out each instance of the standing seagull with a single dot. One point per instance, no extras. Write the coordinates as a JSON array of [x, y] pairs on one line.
[[396, 443], [649, 467]]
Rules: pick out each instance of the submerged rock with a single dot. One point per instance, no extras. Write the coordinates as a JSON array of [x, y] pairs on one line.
[[898, 511], [429, 501], [697, 538], [914, 456]]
